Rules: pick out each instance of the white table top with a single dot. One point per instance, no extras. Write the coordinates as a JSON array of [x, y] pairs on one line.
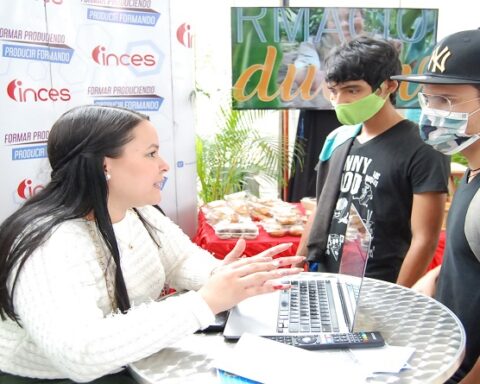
[[404, 317]]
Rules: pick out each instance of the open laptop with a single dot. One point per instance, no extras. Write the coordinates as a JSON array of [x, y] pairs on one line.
[[315, 303]]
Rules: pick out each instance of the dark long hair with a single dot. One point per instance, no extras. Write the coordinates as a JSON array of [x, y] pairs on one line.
[[77, 145]]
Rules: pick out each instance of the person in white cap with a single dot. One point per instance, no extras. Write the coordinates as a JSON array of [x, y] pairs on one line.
[[450, 122]]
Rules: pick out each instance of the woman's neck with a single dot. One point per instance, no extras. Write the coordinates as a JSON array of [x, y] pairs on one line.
[[117, 213]]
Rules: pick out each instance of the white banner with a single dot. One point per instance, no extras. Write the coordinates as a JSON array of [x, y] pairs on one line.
[[57, 54]]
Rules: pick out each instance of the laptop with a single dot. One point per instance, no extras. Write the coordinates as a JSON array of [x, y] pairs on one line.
[[315, 303]]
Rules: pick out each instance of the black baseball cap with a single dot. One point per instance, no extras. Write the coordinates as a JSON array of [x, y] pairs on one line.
[[454, 60]]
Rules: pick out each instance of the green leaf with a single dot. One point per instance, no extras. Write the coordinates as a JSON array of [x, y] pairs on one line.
[[226, 161]]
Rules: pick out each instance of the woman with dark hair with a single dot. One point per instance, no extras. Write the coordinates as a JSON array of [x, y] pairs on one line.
[[83, 262]]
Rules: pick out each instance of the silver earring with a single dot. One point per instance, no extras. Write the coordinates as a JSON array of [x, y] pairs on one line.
[[107, 176]]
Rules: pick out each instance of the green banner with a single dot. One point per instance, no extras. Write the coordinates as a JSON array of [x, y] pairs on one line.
[[278, 54]]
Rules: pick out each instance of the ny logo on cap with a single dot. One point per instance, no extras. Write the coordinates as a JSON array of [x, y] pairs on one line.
[[437, 61]]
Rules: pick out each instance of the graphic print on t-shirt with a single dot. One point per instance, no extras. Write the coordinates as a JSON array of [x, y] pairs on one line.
[[357, 186], [341, 210], [334, 246], [365, 196]]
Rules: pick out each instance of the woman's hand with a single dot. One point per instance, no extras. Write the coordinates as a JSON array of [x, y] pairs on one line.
[[241, 278], [236, 253]]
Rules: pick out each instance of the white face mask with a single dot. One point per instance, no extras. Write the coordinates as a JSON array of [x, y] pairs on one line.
[[446, 134]]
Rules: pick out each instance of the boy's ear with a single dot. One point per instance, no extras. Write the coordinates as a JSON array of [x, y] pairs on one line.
[[391, 85]]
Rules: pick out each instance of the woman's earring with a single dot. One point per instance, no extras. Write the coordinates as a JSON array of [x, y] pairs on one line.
[[107, 176]]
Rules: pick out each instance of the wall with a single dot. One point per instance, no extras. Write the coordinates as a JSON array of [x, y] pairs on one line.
[[57, 54], [213, 55]]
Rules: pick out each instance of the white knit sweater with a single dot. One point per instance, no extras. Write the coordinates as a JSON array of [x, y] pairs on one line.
[[62, 301]]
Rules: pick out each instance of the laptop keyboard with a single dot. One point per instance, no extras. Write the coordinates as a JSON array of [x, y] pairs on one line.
[[308, 307], [305, 307]]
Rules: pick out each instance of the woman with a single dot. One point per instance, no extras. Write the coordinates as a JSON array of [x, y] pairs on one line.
[[83, 261]]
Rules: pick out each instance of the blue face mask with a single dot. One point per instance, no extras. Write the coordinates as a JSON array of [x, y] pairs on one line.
[[446, 133]]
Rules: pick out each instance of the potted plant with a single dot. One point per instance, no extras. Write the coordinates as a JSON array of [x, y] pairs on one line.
[[238, 152]]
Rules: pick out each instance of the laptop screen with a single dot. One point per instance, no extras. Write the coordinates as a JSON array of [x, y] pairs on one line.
[[316, 303], [355, 246], [354, 259]]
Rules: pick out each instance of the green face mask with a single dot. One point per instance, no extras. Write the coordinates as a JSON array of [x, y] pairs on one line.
[[360, 110]]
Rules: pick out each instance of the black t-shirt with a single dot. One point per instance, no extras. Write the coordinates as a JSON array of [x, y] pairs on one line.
[[380, 177], [459, 281]]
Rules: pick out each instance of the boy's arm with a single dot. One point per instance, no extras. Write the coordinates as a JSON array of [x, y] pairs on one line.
[[302, 246], [473, 376], [427, 284], [426, 221]]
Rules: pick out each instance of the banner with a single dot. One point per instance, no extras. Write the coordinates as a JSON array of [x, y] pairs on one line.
[[278, 54], [58, 54]]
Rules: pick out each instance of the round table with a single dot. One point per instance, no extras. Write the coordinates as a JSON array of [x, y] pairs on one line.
[[404, 317]]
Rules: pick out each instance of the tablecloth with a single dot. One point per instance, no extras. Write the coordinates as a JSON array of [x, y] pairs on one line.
[[206, 238]]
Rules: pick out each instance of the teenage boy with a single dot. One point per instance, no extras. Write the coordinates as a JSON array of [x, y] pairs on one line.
[[378, 162], [450, 122]]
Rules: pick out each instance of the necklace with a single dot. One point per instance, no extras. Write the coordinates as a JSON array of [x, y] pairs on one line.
[[472, 174]]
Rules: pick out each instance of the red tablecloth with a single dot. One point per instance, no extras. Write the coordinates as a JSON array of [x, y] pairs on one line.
[[206, 238]]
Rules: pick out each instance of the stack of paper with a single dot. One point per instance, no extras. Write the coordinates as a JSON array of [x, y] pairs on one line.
[[268, 361], [265, 361]]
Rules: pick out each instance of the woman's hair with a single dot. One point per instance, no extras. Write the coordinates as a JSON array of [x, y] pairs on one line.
[[363, 58], [77, 145]]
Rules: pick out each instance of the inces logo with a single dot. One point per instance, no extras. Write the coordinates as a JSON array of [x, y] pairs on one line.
[[26, 189], [100, 56], [184, 36], [17, 93]]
